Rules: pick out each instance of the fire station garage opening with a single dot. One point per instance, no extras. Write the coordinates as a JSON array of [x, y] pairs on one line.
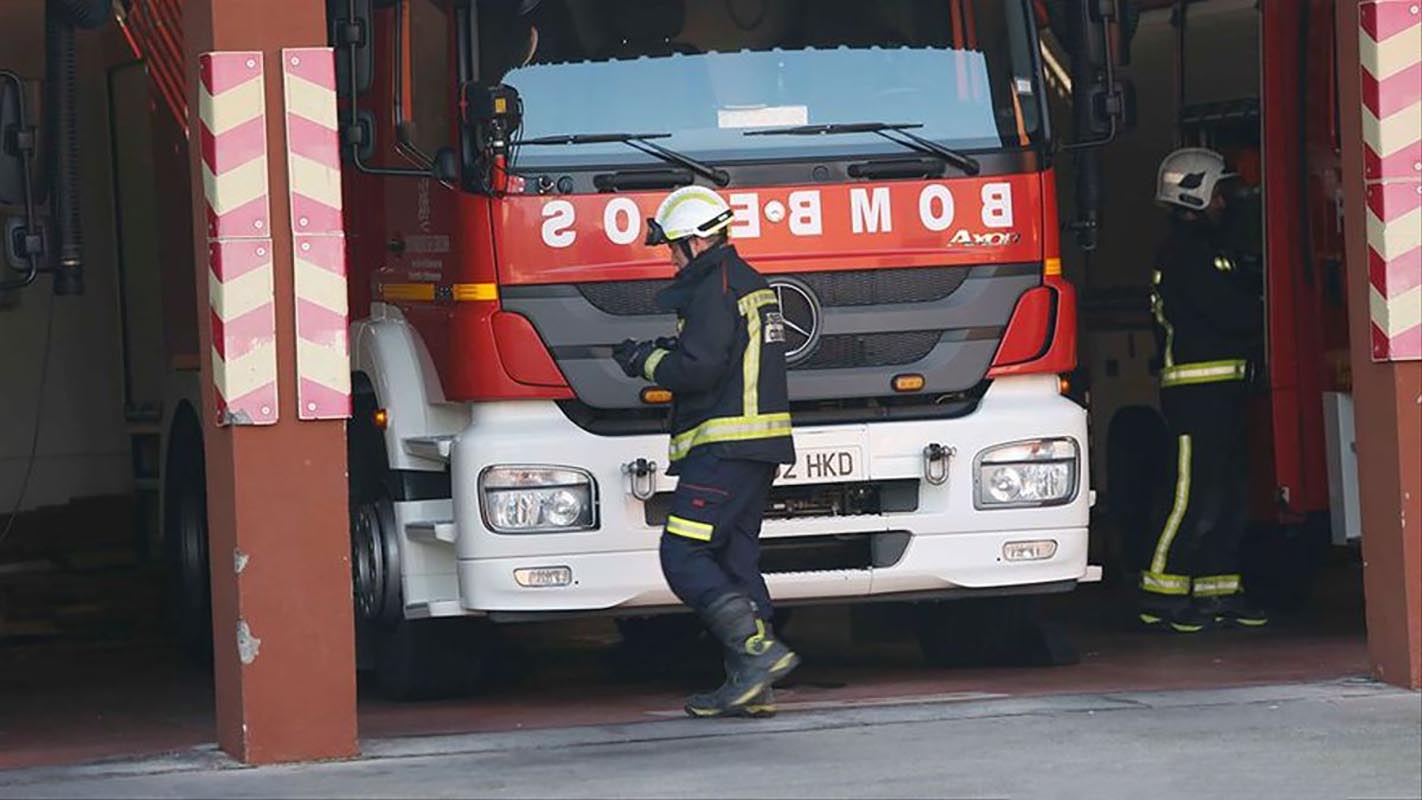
[[1258, 85], [976, 298]]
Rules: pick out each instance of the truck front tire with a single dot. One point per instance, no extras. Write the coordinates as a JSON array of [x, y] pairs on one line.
[[413, 659]]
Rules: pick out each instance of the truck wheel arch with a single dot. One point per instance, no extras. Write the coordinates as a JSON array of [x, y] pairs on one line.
[[389, 360]]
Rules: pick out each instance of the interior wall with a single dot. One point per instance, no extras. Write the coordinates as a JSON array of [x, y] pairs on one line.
[[83, 447]]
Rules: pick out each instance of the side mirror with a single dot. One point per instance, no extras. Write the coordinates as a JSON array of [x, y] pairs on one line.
[[1126, 109], [350, 27], [16, 138], [445, 168], [24, 238], [1101, 102]]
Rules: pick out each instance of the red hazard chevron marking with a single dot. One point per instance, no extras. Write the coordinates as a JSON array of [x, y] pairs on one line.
[[1390, 50], [313, 160], [242, 319]]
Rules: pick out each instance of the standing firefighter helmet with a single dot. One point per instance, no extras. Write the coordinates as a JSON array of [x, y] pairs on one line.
[[691, 211], [1188, 178]]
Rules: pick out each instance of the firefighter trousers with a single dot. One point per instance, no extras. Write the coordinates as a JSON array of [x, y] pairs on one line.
[[1200, 523], [711, 544]]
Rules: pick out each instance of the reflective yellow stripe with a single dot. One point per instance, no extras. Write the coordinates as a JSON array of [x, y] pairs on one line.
[[429, 292], [1177, 512], [1161, 583], [408, 292], [750, 306], [649, 368], [730, 429], [1157, 307], [1217, 585], [690, 528], [756, 299], [465, 292], [1233, 369]]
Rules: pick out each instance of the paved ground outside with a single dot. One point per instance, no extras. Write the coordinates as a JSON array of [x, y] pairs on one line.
[[1345, 739], [66, 702]]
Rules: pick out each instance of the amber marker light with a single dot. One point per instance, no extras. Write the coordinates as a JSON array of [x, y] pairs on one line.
[[381, 418], [908, 383], [656, 396]]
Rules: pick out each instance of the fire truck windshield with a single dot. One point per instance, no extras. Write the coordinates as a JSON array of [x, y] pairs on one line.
[[709, 71]]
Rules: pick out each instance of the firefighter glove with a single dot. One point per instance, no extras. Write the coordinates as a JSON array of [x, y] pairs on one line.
[[632, 356]]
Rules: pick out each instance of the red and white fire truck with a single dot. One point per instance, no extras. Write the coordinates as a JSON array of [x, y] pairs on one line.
[[890, 166]]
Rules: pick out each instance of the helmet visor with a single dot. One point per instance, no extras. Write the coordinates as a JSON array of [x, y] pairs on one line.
[[655, 233]]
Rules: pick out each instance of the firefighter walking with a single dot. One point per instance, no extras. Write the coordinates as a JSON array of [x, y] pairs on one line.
[[1210, 318], [730, 426]]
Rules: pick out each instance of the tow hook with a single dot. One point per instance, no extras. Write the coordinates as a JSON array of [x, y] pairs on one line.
[[935, 463], [642, 478]]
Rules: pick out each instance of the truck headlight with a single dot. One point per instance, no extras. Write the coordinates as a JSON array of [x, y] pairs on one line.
[[1039, 472], [519, 499]]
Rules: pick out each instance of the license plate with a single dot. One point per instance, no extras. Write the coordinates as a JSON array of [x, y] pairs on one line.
[[823, 465]]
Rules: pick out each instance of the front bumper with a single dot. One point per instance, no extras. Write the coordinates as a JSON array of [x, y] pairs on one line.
[[932, 563], [953, 545]]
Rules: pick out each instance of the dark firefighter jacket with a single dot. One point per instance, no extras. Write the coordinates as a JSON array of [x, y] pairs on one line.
[[727, 368], [1208, 312]]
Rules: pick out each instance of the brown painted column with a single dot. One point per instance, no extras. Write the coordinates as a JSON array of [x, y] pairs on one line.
[[281, 597], [1382, 173]]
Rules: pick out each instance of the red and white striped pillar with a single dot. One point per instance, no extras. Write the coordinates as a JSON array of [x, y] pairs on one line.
[[1390, 52], [241, 300], [277, 504]]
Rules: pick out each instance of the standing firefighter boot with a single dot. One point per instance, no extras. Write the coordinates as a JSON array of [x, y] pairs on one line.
[[1235, 610], [708, 704], [760, 659]]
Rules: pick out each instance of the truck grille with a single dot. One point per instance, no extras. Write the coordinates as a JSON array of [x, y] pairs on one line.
[[835, 289], [870, 349], [818, 500]]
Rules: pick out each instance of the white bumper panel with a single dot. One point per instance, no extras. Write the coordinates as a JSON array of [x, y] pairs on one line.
[[629, 580], [954, 544]]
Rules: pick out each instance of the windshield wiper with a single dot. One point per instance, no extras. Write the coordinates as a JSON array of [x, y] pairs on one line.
[[640, 142], [897, 133]]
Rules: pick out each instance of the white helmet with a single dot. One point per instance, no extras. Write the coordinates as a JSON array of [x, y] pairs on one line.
[[1188, 177], [689, 211]]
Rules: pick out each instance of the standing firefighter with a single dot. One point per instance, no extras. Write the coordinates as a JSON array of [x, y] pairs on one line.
[[730, 429], [1210, 317]]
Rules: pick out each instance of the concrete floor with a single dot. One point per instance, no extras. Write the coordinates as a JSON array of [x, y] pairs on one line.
[[1339, 739], [67, 702]]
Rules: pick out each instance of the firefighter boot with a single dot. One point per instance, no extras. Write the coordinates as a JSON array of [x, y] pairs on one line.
[[1235, 609], [707, 704], [760, 659], [1173, 614]]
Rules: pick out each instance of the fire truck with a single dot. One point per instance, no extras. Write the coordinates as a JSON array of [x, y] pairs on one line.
[[891, 173], [891, 165]]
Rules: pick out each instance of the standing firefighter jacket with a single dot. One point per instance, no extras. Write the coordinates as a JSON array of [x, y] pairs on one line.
[[1206, 310], [727, 369]]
